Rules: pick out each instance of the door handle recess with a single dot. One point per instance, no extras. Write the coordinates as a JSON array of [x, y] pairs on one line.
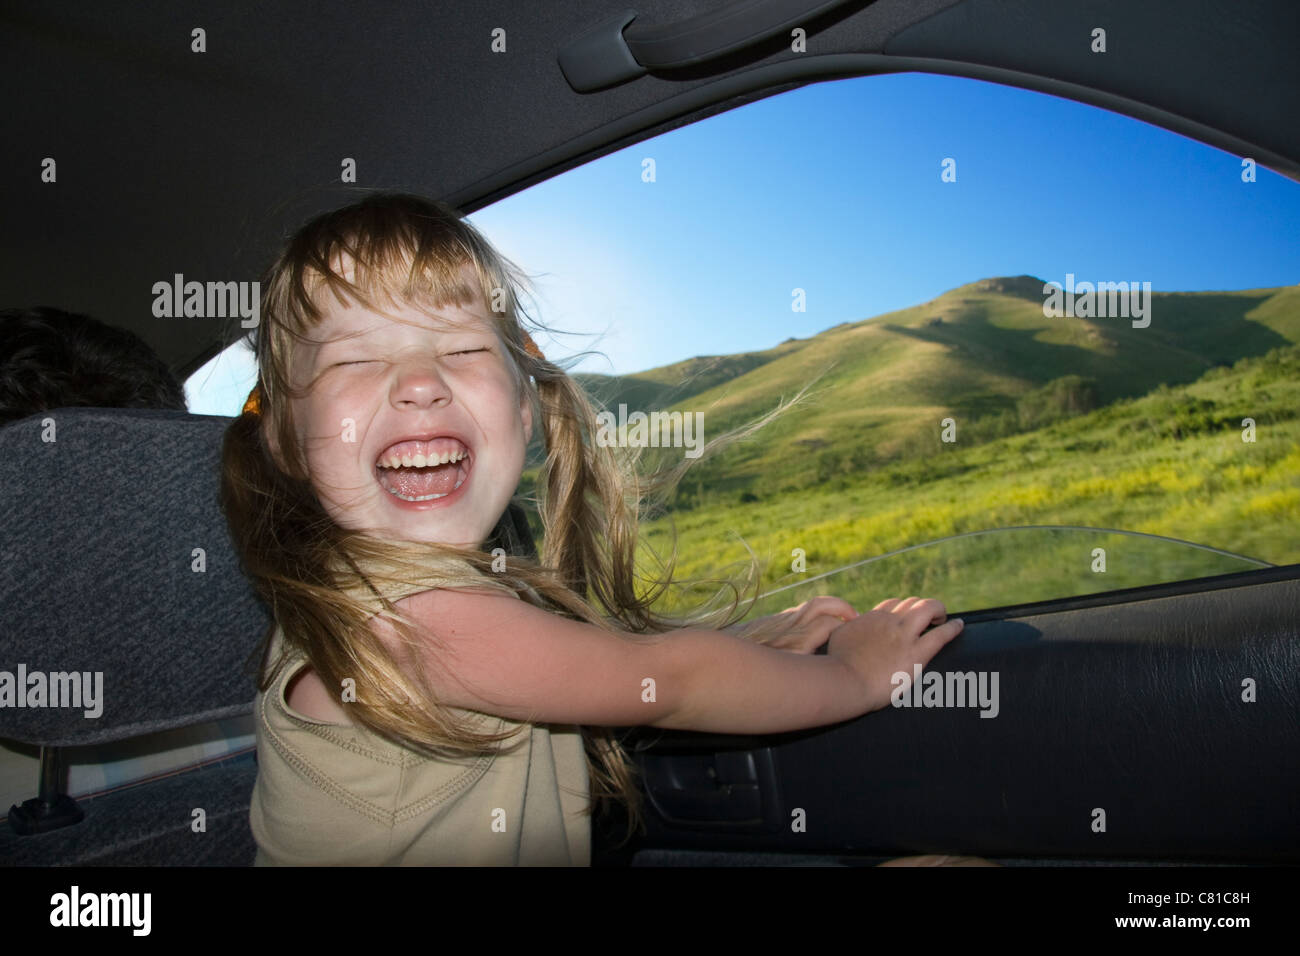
[[732, 790]]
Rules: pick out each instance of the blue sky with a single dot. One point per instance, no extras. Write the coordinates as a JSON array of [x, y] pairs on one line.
[[836, 189]]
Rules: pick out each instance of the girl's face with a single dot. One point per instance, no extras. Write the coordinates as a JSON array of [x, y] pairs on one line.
[[388, 392]]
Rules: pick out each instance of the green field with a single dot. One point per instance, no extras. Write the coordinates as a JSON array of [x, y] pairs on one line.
[[1059, 422]]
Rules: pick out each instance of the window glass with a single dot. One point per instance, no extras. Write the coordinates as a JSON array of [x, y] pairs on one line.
[[221, 386]]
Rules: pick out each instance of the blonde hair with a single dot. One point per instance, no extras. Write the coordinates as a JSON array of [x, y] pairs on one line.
[[323, 582]]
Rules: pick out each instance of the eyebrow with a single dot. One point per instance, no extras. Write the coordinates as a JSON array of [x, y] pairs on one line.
[[337, 338], [477, 328]]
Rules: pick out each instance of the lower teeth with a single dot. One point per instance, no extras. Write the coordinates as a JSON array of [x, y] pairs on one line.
[[421, 498], [396, 494]]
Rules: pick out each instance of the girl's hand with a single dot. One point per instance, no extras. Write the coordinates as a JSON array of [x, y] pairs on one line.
[[802, 629], [891, 639]]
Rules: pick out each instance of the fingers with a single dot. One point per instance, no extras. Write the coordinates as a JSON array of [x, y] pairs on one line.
[[808, 636], [931, 642], [922, 614], [824, 604], [917, 611], [828, 604], [819, 631], [919, 614], [897, 605]]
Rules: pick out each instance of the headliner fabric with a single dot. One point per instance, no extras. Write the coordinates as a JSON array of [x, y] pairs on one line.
[[1199, 64]]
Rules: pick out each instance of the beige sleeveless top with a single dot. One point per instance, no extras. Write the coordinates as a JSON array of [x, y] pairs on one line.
[[331, 794]]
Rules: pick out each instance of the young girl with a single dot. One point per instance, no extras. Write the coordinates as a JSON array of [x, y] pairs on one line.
[[424, 700]]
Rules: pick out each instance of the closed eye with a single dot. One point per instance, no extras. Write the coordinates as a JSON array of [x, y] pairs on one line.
[[468, 351]]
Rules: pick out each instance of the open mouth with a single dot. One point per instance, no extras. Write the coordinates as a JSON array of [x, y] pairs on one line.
[[423, 470]]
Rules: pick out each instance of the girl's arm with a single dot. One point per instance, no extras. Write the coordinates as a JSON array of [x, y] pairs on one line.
[[503, 656]]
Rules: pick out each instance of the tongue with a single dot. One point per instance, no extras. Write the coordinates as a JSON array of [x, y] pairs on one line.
[[418, 482]]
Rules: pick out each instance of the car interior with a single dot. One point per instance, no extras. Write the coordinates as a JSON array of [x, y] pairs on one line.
[[191, 138]]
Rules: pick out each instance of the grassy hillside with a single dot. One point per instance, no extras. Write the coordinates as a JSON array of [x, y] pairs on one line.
[[1058, 421], [1172, 464]]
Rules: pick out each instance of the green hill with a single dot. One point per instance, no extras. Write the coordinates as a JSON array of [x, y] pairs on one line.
[[983, 354]]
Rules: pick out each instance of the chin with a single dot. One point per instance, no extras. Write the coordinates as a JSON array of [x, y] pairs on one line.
[[446, 540]]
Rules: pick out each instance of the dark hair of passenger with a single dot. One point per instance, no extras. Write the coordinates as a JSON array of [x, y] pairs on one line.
[[55, 359]]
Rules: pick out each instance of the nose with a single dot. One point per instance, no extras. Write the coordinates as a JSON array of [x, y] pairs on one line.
[[419, 385]]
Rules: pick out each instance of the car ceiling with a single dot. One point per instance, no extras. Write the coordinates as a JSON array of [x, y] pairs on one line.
[[171, 161]]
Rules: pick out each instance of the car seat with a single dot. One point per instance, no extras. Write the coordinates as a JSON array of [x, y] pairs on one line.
[[115, 559]]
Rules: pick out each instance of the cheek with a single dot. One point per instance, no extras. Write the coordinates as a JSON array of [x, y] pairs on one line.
[[322, 432], [494, 395]]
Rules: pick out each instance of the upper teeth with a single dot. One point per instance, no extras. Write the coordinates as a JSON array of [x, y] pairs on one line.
[[420, 461]]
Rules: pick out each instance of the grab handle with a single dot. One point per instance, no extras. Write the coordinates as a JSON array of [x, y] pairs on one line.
[[606, 55]]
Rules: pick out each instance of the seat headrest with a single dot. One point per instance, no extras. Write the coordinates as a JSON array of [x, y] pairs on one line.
[[116, 566]]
